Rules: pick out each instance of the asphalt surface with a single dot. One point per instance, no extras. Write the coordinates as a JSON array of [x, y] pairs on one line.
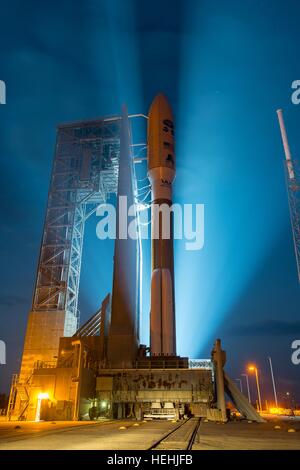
[[116, 435], [249, 436], [132, 435]]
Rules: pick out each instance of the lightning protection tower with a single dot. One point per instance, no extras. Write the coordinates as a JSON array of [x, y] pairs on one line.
[[292, 175]]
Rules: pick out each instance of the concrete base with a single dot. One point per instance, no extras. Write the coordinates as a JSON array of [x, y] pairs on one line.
[[44, 330]]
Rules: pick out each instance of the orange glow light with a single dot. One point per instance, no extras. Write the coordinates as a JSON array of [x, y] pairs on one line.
[[43, 396]]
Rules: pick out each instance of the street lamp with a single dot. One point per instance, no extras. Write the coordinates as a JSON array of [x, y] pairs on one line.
[[288, 399], [248, 388], [253, 368]]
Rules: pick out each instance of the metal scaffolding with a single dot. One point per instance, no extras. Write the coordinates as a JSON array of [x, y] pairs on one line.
[[85, 174]]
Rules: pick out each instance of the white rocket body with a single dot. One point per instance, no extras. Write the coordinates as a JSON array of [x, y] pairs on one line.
[[161, 172]]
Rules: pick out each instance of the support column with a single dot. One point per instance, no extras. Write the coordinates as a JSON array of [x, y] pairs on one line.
[[219, 359]]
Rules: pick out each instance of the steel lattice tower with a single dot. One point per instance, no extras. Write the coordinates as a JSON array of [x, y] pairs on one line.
[[84, 174], [93, 160], [292, 175]]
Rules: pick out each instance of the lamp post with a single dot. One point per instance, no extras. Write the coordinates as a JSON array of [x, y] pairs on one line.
[[254, 369], [288, 400], [273, 382], [248, 388]]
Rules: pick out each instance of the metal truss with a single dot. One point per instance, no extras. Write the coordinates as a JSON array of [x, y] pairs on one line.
[[293, 189], [92, 326], [200, 364], [84, 174]]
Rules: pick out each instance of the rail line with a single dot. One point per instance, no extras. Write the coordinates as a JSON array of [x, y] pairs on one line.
[[194, 434], [180, 438]]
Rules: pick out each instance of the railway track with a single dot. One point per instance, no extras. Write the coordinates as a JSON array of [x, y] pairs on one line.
[[180, 438]]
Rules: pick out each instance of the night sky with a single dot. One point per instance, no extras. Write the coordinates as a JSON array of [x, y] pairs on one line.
[[226, 66]]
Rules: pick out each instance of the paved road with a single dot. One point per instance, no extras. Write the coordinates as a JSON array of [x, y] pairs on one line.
[[83, 436], [108, 435], [249, 436]]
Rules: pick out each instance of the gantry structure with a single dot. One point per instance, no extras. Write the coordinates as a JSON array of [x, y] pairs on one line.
[[84, 175], [93, 160]]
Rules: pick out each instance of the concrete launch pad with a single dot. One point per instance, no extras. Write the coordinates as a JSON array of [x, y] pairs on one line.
[[108, 435]]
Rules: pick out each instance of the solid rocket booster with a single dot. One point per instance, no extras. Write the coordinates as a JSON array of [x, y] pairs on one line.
[[161, 173]]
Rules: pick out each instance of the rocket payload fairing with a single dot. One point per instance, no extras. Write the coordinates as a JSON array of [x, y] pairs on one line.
[[161, 173]]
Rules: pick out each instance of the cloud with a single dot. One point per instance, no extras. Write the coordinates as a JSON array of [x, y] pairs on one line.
[[268, 328]]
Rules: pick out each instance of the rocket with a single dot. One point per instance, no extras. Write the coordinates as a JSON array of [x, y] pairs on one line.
[[161, 173]]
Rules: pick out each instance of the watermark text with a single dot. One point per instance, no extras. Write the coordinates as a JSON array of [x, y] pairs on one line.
[[295, 97], [2, 92], [2, 352], [296, 352], [181, 222]]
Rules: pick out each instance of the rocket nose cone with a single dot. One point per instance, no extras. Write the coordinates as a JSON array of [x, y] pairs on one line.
[[160, 104], [161, 151]]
